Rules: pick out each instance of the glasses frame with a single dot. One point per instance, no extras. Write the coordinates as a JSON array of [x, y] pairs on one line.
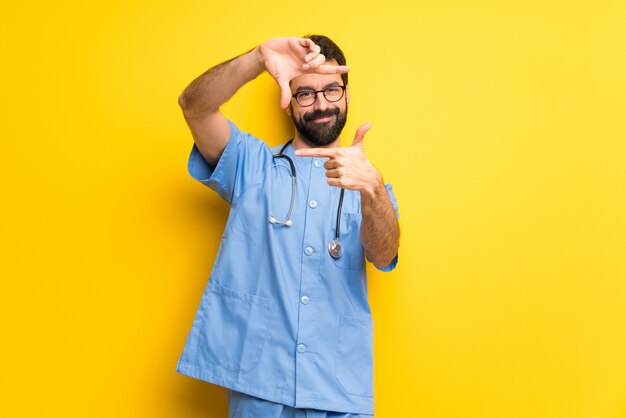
[[343, 92]]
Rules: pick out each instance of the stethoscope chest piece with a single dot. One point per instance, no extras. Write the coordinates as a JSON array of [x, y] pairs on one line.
[[335, 248]]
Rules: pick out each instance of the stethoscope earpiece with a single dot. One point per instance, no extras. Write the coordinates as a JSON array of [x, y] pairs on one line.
[[287, 222]]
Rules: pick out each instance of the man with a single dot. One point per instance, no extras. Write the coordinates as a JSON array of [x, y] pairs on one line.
[[284, 322]]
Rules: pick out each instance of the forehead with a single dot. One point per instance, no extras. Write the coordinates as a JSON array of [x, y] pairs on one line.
[[316, 81]]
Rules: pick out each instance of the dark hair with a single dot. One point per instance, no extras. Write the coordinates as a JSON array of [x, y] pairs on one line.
[[331, 51]]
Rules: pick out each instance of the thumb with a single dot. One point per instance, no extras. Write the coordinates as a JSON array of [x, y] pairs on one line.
[[360, 134], [285, 92]]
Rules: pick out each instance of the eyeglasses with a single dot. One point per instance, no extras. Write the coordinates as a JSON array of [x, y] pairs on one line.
[[309, 97]]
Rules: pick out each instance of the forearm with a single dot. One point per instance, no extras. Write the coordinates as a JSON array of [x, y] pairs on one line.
[[349, 168], [212, 89], [380, 232]]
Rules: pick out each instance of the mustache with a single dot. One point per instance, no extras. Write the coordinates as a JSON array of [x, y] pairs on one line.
[[318, 114]]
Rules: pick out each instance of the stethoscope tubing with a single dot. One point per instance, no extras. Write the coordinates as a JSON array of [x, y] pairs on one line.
[[287, 221], [334, 246]]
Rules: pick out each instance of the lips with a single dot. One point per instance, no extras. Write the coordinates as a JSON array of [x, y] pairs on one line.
[[321, 116], [321, 120]]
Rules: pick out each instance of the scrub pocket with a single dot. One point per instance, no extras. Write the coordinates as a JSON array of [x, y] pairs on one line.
[[234, 328], [350, 238], [355, 356]]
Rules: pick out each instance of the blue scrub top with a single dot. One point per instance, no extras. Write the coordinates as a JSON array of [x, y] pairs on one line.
[[280, 319]]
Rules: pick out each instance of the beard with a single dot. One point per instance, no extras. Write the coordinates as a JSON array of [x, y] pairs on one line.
[[320, 133]]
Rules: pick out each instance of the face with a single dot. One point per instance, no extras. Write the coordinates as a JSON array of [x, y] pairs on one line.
[[321, 123]]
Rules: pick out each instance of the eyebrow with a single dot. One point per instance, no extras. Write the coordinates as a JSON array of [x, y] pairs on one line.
[[309, 88]]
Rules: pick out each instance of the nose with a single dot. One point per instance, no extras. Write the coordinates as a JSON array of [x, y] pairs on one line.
[[321, 103]]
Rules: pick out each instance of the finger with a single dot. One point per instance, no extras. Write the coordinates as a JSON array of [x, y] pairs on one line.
[[301, 47], [331, 163], [319, 60], [313, 54], [360, 134], [285, 92], [306, 42], [318, 152], [334, 182], [332, 69], [336, 173]]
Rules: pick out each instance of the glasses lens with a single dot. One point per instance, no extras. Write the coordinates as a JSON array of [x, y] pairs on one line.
[[333, 94], [305, 98]]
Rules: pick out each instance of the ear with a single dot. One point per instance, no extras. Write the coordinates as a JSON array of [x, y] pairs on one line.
[[347, 95], [289, 109]]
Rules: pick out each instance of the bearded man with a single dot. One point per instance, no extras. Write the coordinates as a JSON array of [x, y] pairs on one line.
[[284, 322]]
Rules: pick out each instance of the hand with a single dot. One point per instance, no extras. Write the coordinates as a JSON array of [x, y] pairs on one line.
[[348, 167], [287, 58]]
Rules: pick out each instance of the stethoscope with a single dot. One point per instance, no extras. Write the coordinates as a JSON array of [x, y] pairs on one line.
[[334, 246]]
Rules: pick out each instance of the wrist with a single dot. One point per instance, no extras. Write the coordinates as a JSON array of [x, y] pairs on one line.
[[374, 188], [257, 60]]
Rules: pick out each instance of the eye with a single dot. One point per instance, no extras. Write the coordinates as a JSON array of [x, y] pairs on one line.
[[306, 94], [333, 90]]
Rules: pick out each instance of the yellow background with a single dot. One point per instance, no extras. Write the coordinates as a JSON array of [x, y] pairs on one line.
[[501, 126]]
